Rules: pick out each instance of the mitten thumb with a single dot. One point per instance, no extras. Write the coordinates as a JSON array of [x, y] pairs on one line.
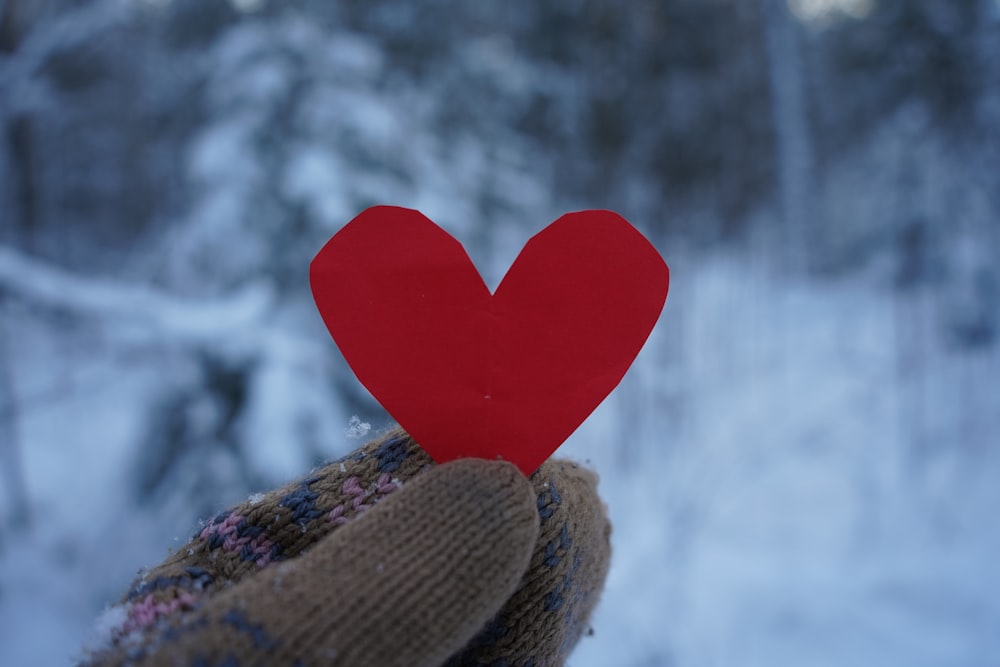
[[408, 583]]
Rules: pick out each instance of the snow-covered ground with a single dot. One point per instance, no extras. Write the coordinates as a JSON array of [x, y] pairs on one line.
[[788, 520], [762, 462]]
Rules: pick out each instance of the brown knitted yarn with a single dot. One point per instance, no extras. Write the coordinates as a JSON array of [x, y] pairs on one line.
[[543, 620], [283, 522], [227, 595]]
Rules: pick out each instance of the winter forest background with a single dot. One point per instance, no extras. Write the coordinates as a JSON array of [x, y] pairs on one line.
[[802, 465]]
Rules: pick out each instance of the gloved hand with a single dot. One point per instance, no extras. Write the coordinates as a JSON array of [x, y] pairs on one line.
[[380, 558]]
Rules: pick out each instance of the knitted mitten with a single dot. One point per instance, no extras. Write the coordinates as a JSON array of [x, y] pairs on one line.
[[380, 558]]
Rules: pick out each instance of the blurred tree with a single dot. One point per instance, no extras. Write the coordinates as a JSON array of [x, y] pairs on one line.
[[795, 153], [90, 144], [18, 197], [905, 50], [217, 147], [642, 108]]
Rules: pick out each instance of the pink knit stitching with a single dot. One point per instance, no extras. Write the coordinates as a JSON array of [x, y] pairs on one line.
[[336, 516], [357, 496], [385, 484], [145, 612], [259, 545]]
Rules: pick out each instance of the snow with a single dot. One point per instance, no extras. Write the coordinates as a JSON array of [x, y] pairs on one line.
[[777, 522], [800, 471], [781, 527], [111, 619], [158, 312], [357, 428]]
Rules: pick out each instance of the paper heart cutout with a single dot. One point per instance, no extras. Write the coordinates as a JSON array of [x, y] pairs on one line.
[[469, 374]]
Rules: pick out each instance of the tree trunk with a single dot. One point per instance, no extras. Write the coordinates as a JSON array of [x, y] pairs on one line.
[[18, 191], [789, 105]]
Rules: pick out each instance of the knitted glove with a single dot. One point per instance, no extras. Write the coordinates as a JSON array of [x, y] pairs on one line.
[[380, 558]]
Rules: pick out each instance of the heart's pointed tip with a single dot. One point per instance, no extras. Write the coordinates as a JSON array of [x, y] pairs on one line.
[[526, 460], [525, 468]]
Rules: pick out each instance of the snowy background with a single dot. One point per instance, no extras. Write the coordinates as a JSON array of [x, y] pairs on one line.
[[802, 465]]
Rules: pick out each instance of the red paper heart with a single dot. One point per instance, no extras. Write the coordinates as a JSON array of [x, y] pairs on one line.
[[469, 374]]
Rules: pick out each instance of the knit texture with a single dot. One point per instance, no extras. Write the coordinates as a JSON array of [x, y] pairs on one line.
[[542, 622], [469, 564]]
